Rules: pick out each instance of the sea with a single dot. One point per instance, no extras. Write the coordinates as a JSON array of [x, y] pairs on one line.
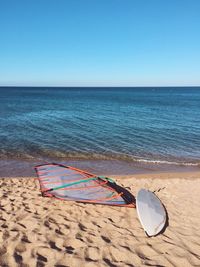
[[114, 130]]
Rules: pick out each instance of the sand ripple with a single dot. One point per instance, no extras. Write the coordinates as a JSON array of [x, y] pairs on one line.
[[37, 231]]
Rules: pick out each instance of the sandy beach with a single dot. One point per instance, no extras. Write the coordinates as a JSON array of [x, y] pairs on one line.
[[38, 231]]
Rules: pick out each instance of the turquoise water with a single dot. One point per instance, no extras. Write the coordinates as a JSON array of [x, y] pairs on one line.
[[149, 125]]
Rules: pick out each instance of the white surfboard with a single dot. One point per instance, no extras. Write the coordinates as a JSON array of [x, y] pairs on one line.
[[151, 212]]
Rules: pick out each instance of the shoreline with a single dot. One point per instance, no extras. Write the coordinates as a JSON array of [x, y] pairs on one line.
[[153, 175], [25, 168]]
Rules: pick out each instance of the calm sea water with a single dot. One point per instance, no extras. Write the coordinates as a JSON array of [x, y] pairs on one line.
[[149, 125]]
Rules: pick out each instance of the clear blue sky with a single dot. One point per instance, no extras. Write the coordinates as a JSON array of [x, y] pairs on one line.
[[100, 42]]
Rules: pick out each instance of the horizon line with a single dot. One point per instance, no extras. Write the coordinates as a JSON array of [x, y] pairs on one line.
[[90, 86]]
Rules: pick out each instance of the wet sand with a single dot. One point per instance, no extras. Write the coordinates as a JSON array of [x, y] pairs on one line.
[[38, 231]]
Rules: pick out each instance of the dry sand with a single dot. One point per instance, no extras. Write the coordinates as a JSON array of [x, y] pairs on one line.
[[38, 231]]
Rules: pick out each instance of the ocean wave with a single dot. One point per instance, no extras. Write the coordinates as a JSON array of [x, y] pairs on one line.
[[48, 154], [168, 162]]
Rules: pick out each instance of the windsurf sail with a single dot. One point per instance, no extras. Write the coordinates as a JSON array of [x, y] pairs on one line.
[[68, 183]]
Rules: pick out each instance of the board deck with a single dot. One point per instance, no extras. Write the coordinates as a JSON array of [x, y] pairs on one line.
[[151, 212]]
